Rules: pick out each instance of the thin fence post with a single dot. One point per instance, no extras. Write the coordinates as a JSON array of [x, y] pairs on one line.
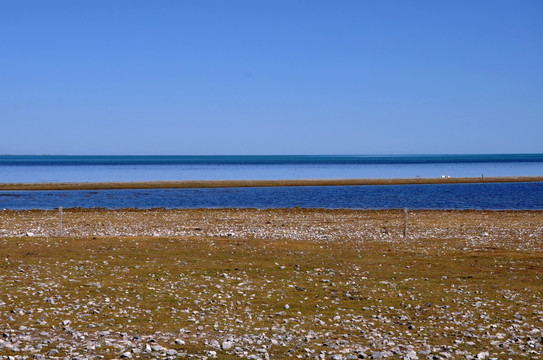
[[60, 221], [405, 223]]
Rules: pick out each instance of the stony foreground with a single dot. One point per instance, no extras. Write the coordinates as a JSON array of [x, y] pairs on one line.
[[227, 283]]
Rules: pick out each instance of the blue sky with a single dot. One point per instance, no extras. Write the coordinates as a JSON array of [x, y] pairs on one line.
[[271, 77]]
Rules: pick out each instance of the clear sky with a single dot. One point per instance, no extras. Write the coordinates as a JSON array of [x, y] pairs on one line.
[[271, 77]]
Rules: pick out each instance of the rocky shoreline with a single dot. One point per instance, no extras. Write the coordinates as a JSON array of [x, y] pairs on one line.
[[520, 230], [266, 284]]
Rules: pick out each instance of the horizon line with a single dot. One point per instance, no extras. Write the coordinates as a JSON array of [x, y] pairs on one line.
[[347, 154]]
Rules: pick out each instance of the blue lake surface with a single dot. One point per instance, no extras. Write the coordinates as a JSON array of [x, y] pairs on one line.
[[492, 196], [39, 169]]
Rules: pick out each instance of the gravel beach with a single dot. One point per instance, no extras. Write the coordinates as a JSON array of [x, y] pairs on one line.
[[259, 284]]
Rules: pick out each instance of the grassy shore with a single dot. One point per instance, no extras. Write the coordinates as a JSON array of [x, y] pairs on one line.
[[257, 183], [246, 283]]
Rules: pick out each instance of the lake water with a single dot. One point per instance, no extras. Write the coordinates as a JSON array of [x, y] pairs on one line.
[[36, 169], [514, 196], [498, 196]]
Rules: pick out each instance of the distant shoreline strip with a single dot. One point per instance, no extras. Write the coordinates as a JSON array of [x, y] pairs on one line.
[[257, 183]]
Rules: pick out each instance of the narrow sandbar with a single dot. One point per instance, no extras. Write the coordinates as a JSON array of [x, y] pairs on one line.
[[257, 183]]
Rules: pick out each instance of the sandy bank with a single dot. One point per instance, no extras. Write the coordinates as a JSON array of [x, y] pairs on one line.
[[256, 183]]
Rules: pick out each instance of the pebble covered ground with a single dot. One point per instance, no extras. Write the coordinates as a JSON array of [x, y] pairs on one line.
[[267, 284]]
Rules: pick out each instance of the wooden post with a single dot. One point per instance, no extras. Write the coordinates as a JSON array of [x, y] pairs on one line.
[[60, 221], [405, 223]]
